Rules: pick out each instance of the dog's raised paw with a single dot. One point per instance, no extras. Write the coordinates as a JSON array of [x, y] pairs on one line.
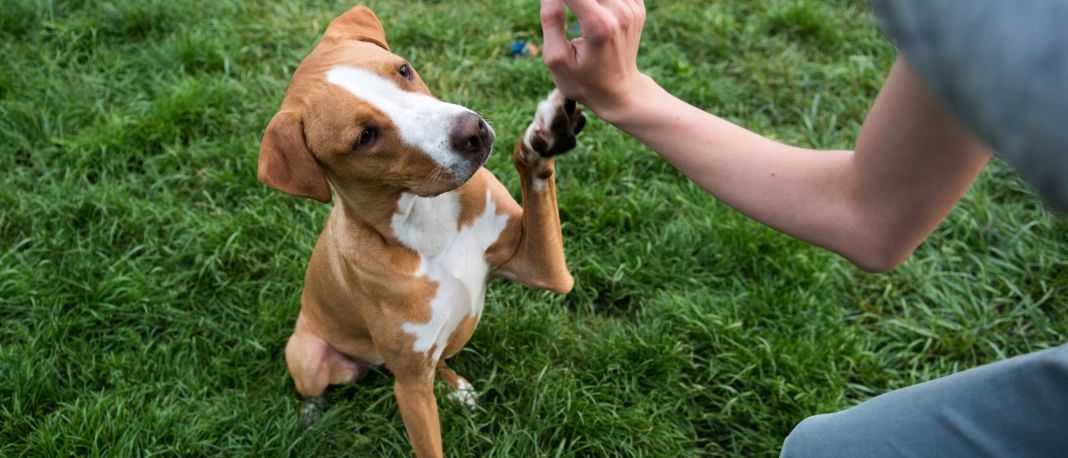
[[556, 125]]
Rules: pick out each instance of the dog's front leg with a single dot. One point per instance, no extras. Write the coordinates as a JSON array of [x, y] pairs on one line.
[[539, 257], [419, 409]]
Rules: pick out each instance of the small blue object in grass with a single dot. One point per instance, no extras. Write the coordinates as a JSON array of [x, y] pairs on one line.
[[574, 30], [523, 48]]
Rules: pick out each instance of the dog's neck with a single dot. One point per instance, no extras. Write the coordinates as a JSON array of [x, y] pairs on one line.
[[426, 224], [402, 218]]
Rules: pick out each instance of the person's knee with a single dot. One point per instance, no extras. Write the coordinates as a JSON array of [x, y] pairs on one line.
[[1054, 362], [848, 433], [809, 438]]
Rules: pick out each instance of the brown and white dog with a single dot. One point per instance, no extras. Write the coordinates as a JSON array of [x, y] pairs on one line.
[[398, 276]]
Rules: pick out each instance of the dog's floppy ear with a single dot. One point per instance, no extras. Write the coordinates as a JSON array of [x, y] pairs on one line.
[[359, 23], [286, 164]]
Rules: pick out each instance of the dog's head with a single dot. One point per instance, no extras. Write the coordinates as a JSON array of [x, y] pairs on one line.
[[360, 117]]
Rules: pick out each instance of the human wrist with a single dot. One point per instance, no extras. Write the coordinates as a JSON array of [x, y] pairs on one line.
[[621, 109]]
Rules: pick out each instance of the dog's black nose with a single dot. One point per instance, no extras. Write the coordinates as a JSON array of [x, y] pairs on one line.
[[471, 136]]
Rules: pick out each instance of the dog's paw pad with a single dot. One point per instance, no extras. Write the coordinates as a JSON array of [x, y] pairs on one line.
[[464, 394], [556, 124]]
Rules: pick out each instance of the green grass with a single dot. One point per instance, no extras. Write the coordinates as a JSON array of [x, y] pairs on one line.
[[148, 282]]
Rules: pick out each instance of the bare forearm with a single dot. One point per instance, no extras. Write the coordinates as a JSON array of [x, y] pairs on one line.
[[798, 191], [873, 206]]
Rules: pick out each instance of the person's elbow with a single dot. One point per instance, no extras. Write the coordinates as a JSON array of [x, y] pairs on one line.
[[879, 264], [881, 253]]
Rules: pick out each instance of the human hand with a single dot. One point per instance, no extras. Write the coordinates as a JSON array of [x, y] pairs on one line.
[[600, 68]]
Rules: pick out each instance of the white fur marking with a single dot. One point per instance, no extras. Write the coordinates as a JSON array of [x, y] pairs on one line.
[[547, 110], [543, 117], [453, 259], [423, 121], [463, 393]]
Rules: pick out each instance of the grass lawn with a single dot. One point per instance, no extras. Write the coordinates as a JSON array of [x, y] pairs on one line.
[[148, 282]]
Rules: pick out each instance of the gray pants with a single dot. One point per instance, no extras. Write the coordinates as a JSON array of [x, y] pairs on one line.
[[1012, 408]]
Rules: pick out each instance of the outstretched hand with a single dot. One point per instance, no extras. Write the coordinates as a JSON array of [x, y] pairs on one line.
[[600, 68]]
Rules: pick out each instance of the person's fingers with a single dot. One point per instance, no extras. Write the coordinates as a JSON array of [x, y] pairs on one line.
[[555, 48], [638, 6], [613, 6], [598, 20], [584, 8], [622, 11]]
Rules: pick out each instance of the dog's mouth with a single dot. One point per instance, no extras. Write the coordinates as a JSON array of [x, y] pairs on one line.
[[453, 177], [463, 171], [481, 159]]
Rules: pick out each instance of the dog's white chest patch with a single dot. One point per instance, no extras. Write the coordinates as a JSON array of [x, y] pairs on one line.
[[453, 258]]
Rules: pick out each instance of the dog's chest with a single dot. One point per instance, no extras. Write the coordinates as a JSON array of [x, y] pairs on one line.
[[451, 257]]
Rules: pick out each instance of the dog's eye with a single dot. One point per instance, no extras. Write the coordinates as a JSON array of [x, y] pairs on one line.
[[367, 138], [405, 72]]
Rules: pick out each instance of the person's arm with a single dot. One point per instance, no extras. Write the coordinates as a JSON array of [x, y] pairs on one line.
[[874, 206]]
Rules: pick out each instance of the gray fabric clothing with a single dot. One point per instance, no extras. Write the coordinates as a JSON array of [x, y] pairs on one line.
[[1014, 408], [1002, 67]]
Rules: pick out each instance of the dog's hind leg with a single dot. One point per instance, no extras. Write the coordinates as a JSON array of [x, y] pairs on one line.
[[314, 364]]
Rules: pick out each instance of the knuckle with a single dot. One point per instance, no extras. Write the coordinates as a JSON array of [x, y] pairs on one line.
[[552, 55], [550, 18], [555, 61], [612, 25], [640, 9], [636, 14], [597, 28]]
